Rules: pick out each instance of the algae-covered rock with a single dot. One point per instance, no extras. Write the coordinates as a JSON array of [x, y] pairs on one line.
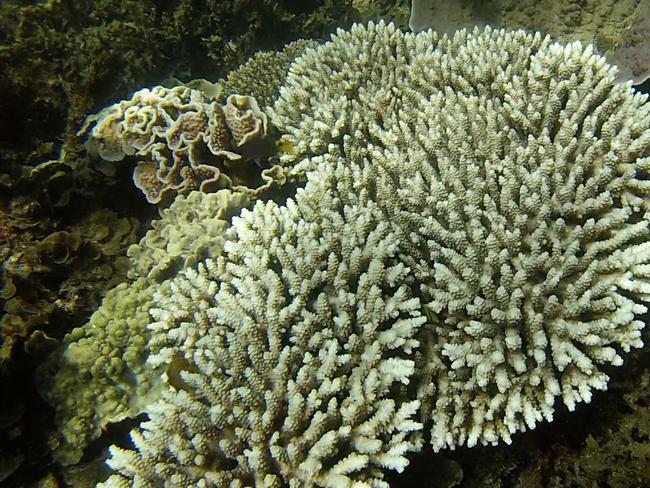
[[617, 456], [65, 272]]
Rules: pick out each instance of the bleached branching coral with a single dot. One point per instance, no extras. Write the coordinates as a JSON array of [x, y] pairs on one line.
[[473, 239], [518, 172], [185, 141], [291, 353]]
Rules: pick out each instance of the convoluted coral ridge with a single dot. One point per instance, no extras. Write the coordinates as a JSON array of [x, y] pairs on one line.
[[294, 349], [185, 141], [517, 170]]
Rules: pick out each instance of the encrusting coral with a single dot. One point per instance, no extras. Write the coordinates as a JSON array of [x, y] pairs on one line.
[[472, 242], [193, 228], [108, 357]]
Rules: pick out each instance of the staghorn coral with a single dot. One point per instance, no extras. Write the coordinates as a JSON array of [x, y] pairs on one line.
[[294, 346], [517, 170], [186, 142], [603, 444]]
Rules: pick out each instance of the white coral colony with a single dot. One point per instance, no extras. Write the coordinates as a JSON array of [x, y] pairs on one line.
[[517, 171], [471, 244]]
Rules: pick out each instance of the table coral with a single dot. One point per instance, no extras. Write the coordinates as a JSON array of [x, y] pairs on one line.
[[619, 29]]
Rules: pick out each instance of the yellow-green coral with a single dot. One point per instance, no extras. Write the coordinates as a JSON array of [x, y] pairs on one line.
[[105, 360], [191, 229], [101, 376]]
